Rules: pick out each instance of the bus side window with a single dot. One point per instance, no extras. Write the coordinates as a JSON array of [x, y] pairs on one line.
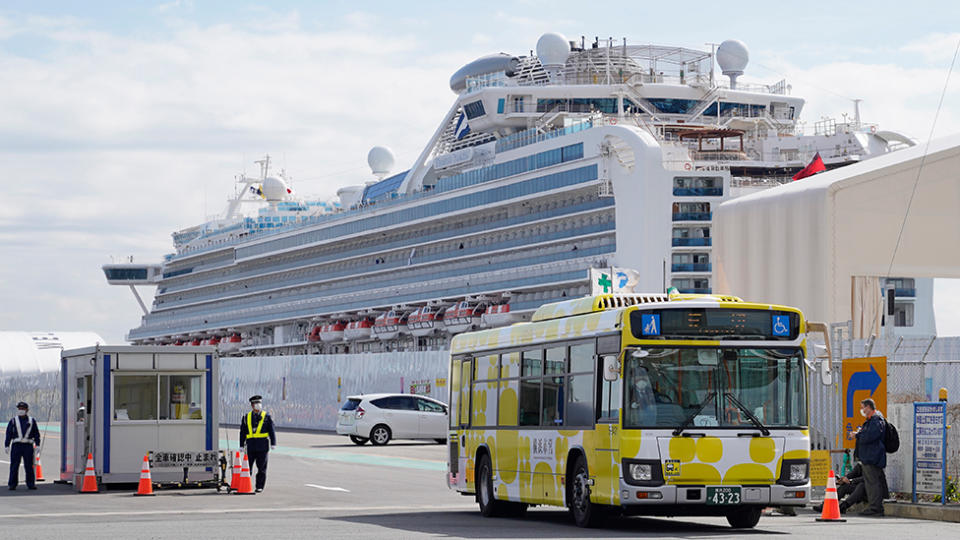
[[609, 407], [455, 394]]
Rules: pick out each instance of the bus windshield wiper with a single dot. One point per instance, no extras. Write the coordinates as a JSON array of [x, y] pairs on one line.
[[686, 422], [756, 421]]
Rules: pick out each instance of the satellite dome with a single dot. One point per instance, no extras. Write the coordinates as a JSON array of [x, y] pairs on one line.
[[275, 189], [380, 159], [732, 57], [553, 49]]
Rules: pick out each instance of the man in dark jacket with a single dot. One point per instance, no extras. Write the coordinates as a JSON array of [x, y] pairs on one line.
[[873, 456], [22, 437], [256, 432]]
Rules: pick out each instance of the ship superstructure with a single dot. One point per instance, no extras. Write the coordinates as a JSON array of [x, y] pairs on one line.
[[583, 156]]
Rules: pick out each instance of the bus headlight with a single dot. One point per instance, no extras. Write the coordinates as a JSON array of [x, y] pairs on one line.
[[641, 472], [798, 471], [794, 472]]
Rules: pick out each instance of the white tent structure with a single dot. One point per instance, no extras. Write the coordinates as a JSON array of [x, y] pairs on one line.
[[26, 353], [823, 243]]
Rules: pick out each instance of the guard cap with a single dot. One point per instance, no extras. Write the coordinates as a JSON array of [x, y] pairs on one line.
[[255, 399], [23, 405]]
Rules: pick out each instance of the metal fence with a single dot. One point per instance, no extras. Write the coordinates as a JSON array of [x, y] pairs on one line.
[[917, 368]]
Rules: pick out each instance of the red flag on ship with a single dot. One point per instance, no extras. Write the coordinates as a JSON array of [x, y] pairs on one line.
[[815, 166]]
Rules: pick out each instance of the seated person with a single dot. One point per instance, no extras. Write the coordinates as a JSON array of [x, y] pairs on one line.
[[851, 489]]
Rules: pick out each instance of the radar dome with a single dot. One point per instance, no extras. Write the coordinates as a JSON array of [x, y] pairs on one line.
[[732, 57], [380, 159], [553, 49], [275, 189]]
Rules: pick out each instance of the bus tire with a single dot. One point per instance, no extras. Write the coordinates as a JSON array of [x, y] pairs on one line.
[[486, 497], [585, 513], [380, 435], [359, 441], [745, 518]]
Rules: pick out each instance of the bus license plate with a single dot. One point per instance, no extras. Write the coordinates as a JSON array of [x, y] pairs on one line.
[[723, 495]]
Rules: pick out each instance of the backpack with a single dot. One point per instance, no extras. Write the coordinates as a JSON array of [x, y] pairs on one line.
[[891, 439]]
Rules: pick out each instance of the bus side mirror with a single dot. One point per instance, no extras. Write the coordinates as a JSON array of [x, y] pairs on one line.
[[611, 368], [826, 366]]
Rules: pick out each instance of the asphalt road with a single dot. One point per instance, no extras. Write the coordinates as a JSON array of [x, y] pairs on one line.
[[322, 486]]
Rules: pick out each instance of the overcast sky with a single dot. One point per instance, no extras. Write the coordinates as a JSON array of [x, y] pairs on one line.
[[124, 121]]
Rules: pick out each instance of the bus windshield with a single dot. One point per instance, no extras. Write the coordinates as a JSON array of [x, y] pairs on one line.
[[714, 387]]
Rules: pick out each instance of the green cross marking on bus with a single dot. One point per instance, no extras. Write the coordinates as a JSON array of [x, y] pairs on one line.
[[605, 282]]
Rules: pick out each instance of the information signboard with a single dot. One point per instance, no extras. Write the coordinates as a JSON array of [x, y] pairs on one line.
[[819, 467], [862, 378], [929, 445], [164, 459]]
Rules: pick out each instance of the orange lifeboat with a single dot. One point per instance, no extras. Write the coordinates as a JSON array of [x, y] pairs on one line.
[[463, 316], [360, 329], [332, 331]]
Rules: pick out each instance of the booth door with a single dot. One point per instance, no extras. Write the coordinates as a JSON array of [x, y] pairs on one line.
[[85, 416]]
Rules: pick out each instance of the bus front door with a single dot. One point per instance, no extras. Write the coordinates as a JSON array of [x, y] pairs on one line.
[[605, 467]]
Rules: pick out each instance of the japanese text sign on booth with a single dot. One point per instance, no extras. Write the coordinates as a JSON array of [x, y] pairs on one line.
[[861, 378]]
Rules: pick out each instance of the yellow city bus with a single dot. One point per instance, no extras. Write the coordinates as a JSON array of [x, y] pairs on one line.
[[634, 404]]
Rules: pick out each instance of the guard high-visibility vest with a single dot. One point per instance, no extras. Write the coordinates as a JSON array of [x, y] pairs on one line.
[[251, 434], [27, 439]]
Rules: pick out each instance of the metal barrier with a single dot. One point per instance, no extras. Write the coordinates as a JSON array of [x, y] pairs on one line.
[[917, 367]]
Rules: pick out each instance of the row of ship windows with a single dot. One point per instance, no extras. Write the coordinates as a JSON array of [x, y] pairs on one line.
[[463, 202], [574, 228], [573, 249], [572, 271], [512, 167], [579, 201]]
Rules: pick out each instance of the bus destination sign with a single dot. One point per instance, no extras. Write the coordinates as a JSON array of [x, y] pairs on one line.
[[702, 323]]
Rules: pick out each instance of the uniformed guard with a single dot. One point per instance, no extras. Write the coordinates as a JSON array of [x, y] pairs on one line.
[[256, 432], [23, 436]]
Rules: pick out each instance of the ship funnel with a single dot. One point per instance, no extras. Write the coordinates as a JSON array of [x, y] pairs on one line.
[[553, 50], [732, 57]]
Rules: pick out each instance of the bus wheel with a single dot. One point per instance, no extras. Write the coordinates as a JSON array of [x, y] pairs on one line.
[[744, 518], [489, 505], [585, 513], [359, 441]]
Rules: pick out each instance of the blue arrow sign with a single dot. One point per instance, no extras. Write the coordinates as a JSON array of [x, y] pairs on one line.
[[861, 380]]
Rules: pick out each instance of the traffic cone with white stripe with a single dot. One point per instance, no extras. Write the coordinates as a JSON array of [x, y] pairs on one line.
[[831, 505], [146, 484], [235, 477], [38, 470], [89, 477], [245, 486]]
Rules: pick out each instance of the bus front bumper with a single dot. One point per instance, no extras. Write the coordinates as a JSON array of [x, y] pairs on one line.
[[767, 495]]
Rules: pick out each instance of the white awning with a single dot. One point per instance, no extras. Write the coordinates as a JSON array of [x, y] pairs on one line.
[[802, 243]]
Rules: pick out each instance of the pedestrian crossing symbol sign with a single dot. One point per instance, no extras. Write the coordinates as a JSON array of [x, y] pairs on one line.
[[650, 324]]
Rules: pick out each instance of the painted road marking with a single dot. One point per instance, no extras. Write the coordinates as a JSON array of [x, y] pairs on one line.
[[363, 459], [328, 488], [260, 509]]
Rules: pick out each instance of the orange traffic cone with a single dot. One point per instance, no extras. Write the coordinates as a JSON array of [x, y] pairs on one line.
[[146, 484], [245, 486], [235, 477], [831, 505], [89, 477], [38, 470]]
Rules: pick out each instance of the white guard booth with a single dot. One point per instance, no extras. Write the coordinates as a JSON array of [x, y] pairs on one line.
[[120, 403]]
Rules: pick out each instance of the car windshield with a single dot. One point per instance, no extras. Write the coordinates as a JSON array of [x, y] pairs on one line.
[[714, 387]]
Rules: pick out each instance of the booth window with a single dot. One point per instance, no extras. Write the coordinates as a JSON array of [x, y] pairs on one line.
[[180, 397], [135, 397]]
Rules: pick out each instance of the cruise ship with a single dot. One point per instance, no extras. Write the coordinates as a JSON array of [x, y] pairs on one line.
[[594, 163]]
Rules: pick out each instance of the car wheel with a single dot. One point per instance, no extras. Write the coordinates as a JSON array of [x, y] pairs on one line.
[[359, 441], [380, 435], [585, 513], [441, 441], [745, 518]]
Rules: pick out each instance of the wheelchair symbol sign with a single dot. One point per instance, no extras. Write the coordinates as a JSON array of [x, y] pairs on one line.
[[781, 325], [650, 323]]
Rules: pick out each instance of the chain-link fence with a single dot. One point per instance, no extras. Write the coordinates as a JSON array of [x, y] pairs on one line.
[[917, 367]]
